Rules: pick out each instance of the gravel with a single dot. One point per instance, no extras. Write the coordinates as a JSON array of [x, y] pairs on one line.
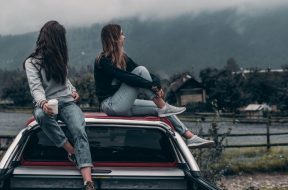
[[259, 181]]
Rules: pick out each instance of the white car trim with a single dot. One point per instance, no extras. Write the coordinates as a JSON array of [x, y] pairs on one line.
[[10, 151], [187, 154], [115, 171]]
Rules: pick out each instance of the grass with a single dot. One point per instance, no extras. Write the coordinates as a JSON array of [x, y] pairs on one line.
[[251, 160]]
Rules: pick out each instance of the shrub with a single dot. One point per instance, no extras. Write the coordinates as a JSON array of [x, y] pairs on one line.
[[210, 160]]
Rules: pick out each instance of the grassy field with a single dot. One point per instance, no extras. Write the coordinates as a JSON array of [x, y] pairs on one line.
[[251, 160], [248, 168]]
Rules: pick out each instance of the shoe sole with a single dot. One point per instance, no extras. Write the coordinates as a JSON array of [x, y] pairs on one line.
[[201, 145], [168, 114]]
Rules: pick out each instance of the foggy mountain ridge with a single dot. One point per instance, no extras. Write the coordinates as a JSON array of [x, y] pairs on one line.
[[175, 45]]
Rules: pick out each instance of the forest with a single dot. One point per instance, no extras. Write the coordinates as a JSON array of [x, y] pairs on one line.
[[229, 87]]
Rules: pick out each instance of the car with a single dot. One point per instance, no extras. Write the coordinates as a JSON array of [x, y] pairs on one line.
[[127, 152]]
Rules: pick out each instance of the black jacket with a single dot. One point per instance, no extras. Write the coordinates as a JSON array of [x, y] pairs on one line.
[[105, 71]]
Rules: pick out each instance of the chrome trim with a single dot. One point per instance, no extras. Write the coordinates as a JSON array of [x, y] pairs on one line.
[[186, 153]]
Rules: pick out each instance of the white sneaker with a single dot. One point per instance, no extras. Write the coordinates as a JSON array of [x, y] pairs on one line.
[[170, 110], [197, 142]]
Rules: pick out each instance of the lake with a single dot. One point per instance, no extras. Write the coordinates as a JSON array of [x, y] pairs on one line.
[[11, 123]]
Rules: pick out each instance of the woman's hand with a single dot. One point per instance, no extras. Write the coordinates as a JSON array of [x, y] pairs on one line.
[[48, 110], [76, 96]]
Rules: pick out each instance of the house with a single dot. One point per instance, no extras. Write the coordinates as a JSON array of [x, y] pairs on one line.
[[186, 90], [255, 111]]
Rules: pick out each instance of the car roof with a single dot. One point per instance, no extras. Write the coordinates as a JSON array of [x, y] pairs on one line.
[[101, 115]]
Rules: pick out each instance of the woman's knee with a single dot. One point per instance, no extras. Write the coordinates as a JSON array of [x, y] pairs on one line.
[[141, 71], [40, 116], [77, 127], [79, 132]]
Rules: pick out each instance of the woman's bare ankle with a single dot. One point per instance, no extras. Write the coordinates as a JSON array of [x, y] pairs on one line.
[[188, 135], [68, 147], [160, 103]]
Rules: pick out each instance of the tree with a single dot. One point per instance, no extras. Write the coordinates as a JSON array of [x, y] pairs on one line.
[[231, 65], [208, 77], [17, 90], [222, 86], [262, 87], [84, 84]]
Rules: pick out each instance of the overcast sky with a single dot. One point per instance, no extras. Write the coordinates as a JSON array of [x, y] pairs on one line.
[[21, 16]]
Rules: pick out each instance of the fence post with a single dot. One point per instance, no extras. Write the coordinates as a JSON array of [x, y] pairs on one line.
[[268, 131], [215, 133]]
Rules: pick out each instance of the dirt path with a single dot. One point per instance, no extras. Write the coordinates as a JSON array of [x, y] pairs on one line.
[[275, 181]]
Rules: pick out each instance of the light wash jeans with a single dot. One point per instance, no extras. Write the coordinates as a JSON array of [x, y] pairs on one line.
[[73, 117], [125, 103]]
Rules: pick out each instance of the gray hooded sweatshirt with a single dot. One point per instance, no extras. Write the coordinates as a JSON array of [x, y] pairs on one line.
[[41, 89]]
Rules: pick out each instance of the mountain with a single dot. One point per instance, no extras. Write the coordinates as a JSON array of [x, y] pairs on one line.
[[179, 44]]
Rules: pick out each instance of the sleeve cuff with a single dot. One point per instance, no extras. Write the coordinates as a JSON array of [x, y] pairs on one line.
[[42, 102]]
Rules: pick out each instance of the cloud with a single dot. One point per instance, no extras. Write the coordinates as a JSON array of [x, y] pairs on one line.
[[20, 16]]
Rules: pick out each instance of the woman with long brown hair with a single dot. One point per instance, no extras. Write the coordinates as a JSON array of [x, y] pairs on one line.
[[119, 81], [46, 69]]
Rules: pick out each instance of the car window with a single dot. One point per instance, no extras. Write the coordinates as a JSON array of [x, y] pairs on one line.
[[107, 144], [114, 144]]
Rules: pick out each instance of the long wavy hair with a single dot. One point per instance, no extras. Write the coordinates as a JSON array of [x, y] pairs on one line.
[[51, 50], [110, 37]]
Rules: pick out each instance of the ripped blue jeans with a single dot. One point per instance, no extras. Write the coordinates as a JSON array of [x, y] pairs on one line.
[[73, 117]]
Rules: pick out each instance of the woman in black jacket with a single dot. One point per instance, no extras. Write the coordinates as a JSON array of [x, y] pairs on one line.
[[119, 81]]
